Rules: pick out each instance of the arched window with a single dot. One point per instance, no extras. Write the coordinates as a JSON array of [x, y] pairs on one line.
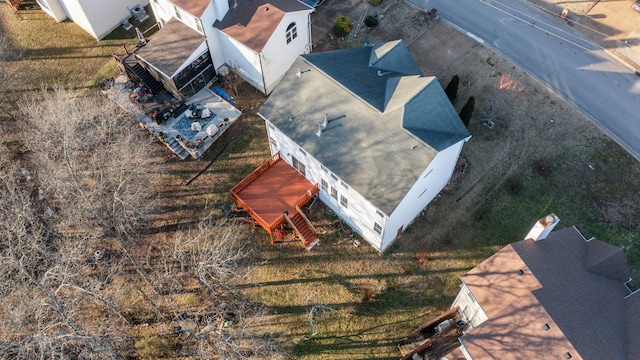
[[292, 32]]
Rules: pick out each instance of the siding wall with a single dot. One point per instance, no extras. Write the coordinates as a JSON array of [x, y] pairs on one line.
[[359, 213], [242, 59], [98, 18], [469, 307], [278, 56], [435, 177]]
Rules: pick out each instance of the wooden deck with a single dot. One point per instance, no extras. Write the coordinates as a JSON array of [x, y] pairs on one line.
[[272, 189], [429, 343]]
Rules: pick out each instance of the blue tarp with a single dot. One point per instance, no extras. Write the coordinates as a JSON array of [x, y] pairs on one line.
[[223, 94]]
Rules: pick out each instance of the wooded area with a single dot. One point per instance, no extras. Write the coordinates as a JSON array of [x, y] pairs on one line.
[[76, 279]]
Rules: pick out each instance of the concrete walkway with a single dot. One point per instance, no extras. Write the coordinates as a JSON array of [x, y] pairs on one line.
[[616, 28]]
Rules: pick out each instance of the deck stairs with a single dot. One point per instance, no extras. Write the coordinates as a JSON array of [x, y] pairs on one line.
[[145, 77], [303, 229], [178, 149], [139, 73]]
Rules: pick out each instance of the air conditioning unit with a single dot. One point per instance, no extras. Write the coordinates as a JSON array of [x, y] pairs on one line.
[[139, 13], [444, 325]]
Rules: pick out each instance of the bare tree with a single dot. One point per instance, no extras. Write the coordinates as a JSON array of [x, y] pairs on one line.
[[214, 254], [91, 169], [211, 253], [40, 306], [90, 162]]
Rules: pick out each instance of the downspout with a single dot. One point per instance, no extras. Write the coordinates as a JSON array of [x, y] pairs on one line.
[[264, 82], [310, 39]]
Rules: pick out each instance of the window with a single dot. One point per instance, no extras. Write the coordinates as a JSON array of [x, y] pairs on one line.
[[271, 126], [380, 213], [334, 193], [324, 185], [292, 32], [344, 184], [473, 299], [199, 25], [299, 166], [324, 168], [178, 15], [343, 201], [304, 153], [377, 228], [273, 142], [334, 177]]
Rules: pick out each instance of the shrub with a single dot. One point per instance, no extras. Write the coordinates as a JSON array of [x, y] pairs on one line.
[[374, 2], [467, 111], [543, 166], [342, 26], [515, 185], [371, 21], [452, 88]]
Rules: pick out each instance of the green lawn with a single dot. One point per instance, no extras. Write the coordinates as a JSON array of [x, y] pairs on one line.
[[61, 53]]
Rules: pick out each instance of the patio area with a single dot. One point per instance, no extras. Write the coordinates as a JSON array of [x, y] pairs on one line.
[[169, 120]]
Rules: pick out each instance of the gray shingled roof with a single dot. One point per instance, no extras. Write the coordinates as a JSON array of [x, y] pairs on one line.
[[581, 288], [171, 46], [383, 130]]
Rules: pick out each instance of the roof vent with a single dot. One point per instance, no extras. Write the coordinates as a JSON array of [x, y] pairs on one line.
[[546, 327], [520, 272], [299, 73], [266, 8], [567, 356], [324, 124], [319, 132]]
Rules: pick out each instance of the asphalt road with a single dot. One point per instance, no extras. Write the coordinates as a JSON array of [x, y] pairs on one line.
[[573, 66]]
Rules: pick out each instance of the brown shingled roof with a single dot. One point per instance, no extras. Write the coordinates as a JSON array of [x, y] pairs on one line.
[[523, 330], [558, 287], [171, 46], [498, 278], [193, 7], [252, 22]]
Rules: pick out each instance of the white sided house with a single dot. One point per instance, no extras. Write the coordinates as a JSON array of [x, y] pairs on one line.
[[379, 138], [98, 18], [257, 39], [553, 295]]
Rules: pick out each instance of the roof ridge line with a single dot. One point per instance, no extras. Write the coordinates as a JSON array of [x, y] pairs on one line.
[[340, 85]]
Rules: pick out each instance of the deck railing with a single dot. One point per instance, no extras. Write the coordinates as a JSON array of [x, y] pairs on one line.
[[252, 213], [244, 183], [254, 174], [280, 219]]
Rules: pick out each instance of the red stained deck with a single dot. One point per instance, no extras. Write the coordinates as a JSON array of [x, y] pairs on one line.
[[272, 189]]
